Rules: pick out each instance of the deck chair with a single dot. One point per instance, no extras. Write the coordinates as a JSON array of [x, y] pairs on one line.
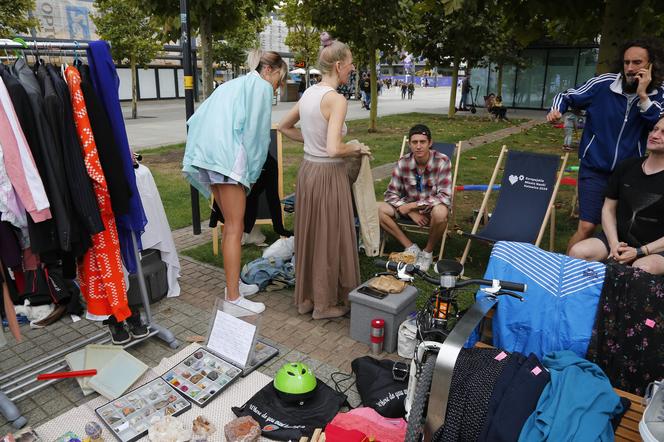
[[528, 192], [453, 152]]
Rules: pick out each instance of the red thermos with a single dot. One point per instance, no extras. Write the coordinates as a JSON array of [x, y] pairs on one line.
[[377, 335]]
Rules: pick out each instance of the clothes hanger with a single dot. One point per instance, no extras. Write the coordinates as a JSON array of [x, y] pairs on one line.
[[22, 43]]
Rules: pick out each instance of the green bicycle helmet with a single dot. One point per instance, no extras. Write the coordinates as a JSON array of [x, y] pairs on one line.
[[294, 382]]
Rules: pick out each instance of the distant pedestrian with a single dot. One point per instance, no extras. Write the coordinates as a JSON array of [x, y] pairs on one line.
[[404, 89], [411, 90]]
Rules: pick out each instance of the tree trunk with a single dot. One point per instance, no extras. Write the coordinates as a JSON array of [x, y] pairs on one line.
[[619, 24], [499, 86], [455, 79], [134, 91], [205, 31], [306, 73], [374, 90]]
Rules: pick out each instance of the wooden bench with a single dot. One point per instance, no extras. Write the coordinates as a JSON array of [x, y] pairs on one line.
[[628, 430]]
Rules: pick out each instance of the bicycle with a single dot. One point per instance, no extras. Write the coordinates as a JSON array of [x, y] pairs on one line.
[[442, 330]]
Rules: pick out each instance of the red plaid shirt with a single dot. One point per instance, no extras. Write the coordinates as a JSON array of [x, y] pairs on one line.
[[433, 187]]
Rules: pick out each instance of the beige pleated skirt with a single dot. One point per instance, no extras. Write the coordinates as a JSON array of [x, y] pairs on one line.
[[326, 261]]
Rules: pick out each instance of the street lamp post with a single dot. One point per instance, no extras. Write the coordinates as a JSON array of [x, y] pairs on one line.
[[185, 41]]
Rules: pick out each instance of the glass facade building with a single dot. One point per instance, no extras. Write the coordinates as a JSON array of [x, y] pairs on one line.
[[549, 70]]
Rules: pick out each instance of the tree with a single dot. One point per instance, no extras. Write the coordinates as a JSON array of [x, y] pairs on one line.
[[610, 21], [368, 25], [212, 18], [133, 37], [443, 35], [303, 37], [230, 53], [14, 17]]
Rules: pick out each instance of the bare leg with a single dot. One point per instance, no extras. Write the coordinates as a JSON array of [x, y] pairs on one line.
[[232, 200], [653, 264], [436, 226], [591, 249], [386, 216], [585, 230]]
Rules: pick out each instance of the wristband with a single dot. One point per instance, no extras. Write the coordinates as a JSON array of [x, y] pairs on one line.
[[639, 252], [646, 249]]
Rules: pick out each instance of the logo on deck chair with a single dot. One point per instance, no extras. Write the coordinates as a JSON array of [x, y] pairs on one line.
[[513, 179]]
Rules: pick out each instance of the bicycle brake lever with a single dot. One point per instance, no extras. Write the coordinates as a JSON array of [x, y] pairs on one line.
[[513, 295], [401, 273]]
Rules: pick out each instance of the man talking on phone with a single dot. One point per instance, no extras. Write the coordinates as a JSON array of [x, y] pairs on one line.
[[621, 108]]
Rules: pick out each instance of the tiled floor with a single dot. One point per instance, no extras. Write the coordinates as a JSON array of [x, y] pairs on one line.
[[325, 345]]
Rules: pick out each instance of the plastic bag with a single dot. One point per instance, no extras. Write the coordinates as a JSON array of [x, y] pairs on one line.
[[283, 248], [406, 338]]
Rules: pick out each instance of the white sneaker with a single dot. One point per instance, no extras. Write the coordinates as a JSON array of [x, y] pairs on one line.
[[414, 249], [424, 260], [651, 426], [256, 307], [247, 290], [255, 237]]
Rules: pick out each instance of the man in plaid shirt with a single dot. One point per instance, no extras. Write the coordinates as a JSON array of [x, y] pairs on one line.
[[420, 191]]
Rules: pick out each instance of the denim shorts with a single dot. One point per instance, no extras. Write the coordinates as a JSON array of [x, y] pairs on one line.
[[208, 177]]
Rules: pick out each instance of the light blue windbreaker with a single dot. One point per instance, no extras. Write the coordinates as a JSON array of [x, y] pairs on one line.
[[230, 132]]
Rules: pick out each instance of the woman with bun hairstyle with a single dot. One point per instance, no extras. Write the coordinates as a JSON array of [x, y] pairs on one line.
[[326, 260], [227, 144]]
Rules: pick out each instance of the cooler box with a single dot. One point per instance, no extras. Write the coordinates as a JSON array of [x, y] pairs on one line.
[[394, 309]]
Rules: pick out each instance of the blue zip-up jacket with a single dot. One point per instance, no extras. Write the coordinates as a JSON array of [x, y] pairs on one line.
[[560, 304], [616, 126]]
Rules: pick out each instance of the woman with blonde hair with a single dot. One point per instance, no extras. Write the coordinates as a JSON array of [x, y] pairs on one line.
[[227, 144], [326, 260]]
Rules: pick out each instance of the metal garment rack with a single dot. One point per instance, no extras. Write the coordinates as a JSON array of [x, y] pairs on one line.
[[23, 382]]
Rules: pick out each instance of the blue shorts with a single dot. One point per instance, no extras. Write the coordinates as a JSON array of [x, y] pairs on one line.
[[208, 177], [592, 187]]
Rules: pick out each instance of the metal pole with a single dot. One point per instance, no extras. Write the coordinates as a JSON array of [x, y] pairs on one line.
[[185, 38]]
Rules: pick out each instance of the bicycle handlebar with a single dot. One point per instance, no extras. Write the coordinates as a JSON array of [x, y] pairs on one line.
[[411, 269]]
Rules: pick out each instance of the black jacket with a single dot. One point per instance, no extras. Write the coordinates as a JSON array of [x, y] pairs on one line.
[[109, 152], [26, 95], [79, 182]]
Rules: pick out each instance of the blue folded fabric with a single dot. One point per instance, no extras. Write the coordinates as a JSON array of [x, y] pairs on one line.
[[577, 405]]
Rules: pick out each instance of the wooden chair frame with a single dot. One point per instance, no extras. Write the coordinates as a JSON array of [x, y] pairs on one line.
[[549, 216], [218, 229], [410, 228]]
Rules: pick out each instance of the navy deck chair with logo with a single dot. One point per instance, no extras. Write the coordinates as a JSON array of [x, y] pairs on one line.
[[453, 152], [527, 195]]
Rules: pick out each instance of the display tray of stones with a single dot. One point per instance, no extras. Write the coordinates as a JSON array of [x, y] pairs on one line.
[[129, 416], [201, 376]]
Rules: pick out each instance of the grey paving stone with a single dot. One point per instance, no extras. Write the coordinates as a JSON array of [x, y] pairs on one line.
[[10, 364], [57, 406], [37, 417]]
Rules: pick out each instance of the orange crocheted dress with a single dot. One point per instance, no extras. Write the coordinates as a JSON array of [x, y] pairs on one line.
[[100, 272]]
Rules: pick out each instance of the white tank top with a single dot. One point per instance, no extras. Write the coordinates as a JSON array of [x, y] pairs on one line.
[[312, 122]]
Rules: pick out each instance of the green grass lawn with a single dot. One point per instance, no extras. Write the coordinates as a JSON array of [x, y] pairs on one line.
[[475, 168]]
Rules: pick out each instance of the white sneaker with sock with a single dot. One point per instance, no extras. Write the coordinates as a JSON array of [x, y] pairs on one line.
[[424, 260], [414, 249], [256, 307], [247, 290]]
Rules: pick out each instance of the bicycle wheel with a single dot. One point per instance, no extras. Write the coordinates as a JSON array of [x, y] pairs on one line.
[[416, 416]]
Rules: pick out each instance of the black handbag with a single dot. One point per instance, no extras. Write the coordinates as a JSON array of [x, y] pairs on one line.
[[382, 385]]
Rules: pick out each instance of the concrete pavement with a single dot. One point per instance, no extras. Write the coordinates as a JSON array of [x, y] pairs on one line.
[[162, 122]]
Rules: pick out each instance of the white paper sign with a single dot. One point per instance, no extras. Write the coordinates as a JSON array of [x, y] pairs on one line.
[[232, 338]]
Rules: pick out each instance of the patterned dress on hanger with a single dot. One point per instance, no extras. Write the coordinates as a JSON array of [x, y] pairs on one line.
[[100, 273]]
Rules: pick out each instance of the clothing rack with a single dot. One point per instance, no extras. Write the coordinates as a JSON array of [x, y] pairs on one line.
[[22, 382]]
